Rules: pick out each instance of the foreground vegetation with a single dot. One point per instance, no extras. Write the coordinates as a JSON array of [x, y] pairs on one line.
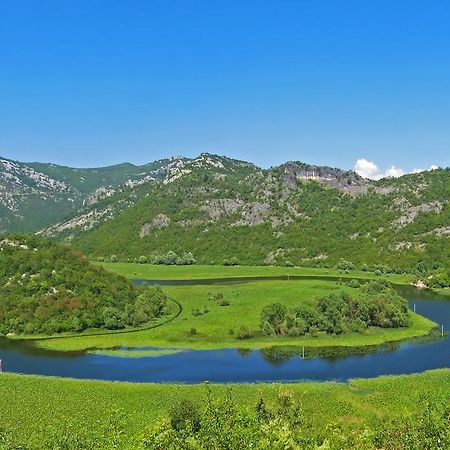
[[389, 412]]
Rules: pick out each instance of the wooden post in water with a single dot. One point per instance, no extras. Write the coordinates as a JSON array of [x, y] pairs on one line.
[[442, 330], [414, 307], [303, 352], [1, 366]]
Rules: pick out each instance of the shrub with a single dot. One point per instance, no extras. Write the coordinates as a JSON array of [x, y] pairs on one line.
[[345, 265], [244, 333], [231, 262], [185, 415]]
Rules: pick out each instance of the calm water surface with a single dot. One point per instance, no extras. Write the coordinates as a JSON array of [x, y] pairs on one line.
[[241, 365]]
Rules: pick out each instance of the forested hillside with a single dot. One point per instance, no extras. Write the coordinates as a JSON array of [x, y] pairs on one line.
[[37, 195], [48, 288], [217, 210], [227, 211]]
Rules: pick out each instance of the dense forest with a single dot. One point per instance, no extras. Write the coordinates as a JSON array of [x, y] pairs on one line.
[[49, 288]]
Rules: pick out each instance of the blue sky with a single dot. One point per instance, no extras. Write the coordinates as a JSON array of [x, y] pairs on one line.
[[96, 82]]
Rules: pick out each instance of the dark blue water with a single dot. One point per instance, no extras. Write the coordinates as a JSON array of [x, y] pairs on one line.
[[236, 280], [241, 365]]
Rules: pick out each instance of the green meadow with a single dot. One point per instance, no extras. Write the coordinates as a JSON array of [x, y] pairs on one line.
[[197, 271], [205, 324], [54, 413]]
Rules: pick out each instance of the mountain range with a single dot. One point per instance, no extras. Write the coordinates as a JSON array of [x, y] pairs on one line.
[[222, 209]]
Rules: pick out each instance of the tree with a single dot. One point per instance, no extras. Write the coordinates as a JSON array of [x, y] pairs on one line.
[[274, 314]]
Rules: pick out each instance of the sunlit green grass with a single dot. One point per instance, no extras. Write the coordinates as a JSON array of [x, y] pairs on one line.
[[163, 272], [34, 408], [219, 326]]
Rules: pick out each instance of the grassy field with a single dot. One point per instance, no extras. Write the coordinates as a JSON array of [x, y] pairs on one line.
[[445, 292], [218, 326], [163, 272], [38, 411]]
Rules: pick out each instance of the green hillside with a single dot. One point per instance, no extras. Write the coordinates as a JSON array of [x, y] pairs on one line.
[[36, 195], [227, 212], [48, 288]]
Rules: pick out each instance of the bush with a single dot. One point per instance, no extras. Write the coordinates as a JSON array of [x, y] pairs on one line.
[[185, 415], [345, 265], [171, 258], [244, 333], [231, 262]]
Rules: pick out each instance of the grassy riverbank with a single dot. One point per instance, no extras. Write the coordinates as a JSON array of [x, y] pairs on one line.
[[445, 292], [205, 324], [37, 411], [163, 272]]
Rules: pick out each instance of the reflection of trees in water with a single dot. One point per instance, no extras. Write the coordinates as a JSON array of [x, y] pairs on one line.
[[244, 351], [278, 355], [27, 347]]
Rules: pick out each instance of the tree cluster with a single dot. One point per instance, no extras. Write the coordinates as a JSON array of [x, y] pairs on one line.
[[377, 305], [48, 288]]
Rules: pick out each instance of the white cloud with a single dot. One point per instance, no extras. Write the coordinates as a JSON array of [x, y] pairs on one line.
[[365, 168], [394, 172], [368, 169]]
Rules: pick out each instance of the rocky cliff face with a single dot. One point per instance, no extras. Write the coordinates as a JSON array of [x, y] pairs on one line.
[[346, 181]]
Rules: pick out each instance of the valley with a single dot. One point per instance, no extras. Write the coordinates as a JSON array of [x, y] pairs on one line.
[[258, 277]]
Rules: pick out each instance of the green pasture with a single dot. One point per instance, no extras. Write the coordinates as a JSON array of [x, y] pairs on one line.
[[204, 324], [54, 413], [164, 272]]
